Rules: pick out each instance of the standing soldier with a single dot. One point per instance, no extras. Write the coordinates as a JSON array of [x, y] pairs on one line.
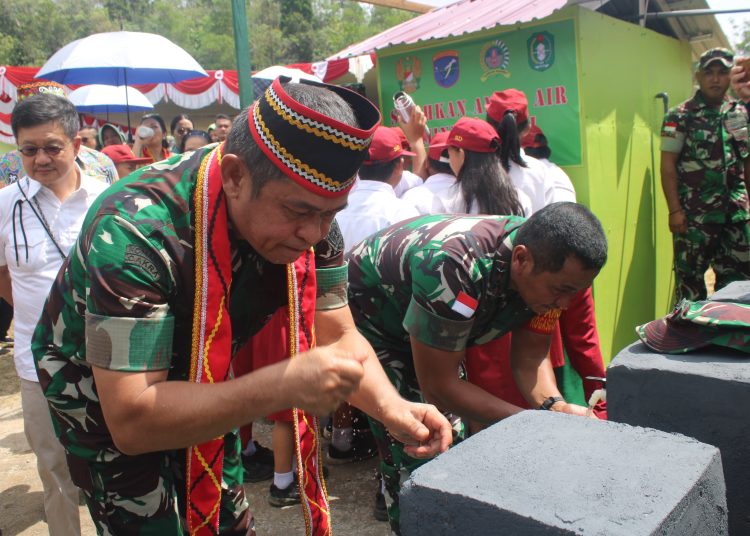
[[704, 175]]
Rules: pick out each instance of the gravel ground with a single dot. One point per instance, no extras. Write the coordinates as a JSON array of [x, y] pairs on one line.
[[351, 487]]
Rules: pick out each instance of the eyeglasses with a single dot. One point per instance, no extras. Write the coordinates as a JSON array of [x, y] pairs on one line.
[[50, 150]]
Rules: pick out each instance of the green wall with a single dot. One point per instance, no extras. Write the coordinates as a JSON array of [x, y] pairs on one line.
[[620, 68]]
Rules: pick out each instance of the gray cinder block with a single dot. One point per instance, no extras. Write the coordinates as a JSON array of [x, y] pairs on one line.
[[738, 291], [544, 473], [703, 394]]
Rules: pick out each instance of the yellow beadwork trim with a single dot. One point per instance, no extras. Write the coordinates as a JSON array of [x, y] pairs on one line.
[[314, 130], [294, 305], [337, 185]]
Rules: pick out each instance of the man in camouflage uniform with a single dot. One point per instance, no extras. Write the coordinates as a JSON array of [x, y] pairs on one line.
[[704, 174], [113, 344], [425, 290]]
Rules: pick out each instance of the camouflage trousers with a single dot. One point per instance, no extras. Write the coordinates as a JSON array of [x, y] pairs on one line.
[[723, 246], [395, 465], [145, 494]]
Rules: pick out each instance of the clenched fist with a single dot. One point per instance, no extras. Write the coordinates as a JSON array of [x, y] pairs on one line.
[[319, 380]]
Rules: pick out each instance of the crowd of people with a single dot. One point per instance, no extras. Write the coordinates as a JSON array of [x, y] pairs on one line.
[[303, 260]]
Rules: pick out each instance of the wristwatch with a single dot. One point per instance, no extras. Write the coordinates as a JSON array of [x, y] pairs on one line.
[[551, 401]]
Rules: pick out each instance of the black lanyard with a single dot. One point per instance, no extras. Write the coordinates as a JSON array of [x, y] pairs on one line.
[[39, 216]]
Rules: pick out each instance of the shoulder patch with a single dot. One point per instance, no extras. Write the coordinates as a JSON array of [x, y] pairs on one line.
[[137, 256]]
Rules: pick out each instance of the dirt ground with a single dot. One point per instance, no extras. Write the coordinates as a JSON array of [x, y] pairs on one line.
[[351, 487]]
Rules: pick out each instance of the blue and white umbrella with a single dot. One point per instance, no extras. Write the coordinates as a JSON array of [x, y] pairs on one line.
[[121, 59], [99, 98]]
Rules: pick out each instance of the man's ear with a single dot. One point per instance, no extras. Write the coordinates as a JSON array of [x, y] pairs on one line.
[[76, 145], [233, 172], [522, 260]]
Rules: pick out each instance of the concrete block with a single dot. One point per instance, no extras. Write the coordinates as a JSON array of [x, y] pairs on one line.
[[545, 473], [738, 291], [704, 395]]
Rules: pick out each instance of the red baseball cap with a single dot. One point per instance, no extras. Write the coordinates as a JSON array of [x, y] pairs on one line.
[[386, 146], [471, 134], [534, 138], [438, 143], [509, 100], [402, 137], [123, 153]]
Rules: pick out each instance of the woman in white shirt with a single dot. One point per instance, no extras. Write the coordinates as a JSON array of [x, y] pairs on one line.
[[473, 147], [508, 113]]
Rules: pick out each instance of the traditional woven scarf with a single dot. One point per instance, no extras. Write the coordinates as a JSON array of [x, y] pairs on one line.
[[301, 285], [211, 355], [211, 337]]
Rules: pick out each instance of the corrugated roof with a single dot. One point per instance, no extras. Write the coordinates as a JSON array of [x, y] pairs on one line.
[[465, 16]]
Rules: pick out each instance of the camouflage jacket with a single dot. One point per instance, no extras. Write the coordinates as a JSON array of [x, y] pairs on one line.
[[124, 297], [442, 279], [710, 169]]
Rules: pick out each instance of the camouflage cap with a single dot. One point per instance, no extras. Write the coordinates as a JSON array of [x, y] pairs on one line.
[[722, 55], [694, 325]]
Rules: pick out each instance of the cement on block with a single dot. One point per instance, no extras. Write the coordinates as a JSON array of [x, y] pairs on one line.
[[715, 362], [704, 395], [737, 291], [548, 473]]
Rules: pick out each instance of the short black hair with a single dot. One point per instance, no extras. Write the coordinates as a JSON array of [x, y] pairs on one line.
[[45, 108], [221, 116], [195, 134], [440, 167], [240, 141], [381, 171], [176, 119], [560, 230]]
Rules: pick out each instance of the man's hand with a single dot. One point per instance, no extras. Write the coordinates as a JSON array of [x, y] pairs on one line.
[[414, 129], [319, 380], [572, 409], [678, 222], [423, 430], [740, 78]]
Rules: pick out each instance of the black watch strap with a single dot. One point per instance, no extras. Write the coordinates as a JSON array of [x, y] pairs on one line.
[[551, 401]]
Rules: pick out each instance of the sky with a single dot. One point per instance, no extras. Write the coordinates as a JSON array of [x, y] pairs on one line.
[[726, 21]]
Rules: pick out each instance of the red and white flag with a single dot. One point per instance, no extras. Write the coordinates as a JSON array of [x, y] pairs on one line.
[[465, 305]]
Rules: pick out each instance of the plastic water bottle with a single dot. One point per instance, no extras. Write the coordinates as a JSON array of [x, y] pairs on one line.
[[736, 124], [404, 104]]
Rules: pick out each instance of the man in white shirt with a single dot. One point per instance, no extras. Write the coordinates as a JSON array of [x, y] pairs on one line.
[[559, 186], [40, 218], [373, 204]]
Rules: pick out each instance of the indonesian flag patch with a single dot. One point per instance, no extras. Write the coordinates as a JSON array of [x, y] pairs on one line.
[[670, 129], [465, 305]]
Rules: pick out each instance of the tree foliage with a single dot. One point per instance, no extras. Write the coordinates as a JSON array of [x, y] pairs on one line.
[[280, 31]]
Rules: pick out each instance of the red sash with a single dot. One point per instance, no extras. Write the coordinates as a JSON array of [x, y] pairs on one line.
[[211, 346], [314, 496], [211, 355]]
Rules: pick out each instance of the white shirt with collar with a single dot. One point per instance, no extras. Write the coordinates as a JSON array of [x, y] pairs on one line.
[[408, 181], [373, 206], [31, 256], [441, 194], [531, 180], [562, 188]]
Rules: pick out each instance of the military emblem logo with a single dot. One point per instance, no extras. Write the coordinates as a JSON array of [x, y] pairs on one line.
[[445, 67], [495, 59], [409, 73], [541, 50]]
